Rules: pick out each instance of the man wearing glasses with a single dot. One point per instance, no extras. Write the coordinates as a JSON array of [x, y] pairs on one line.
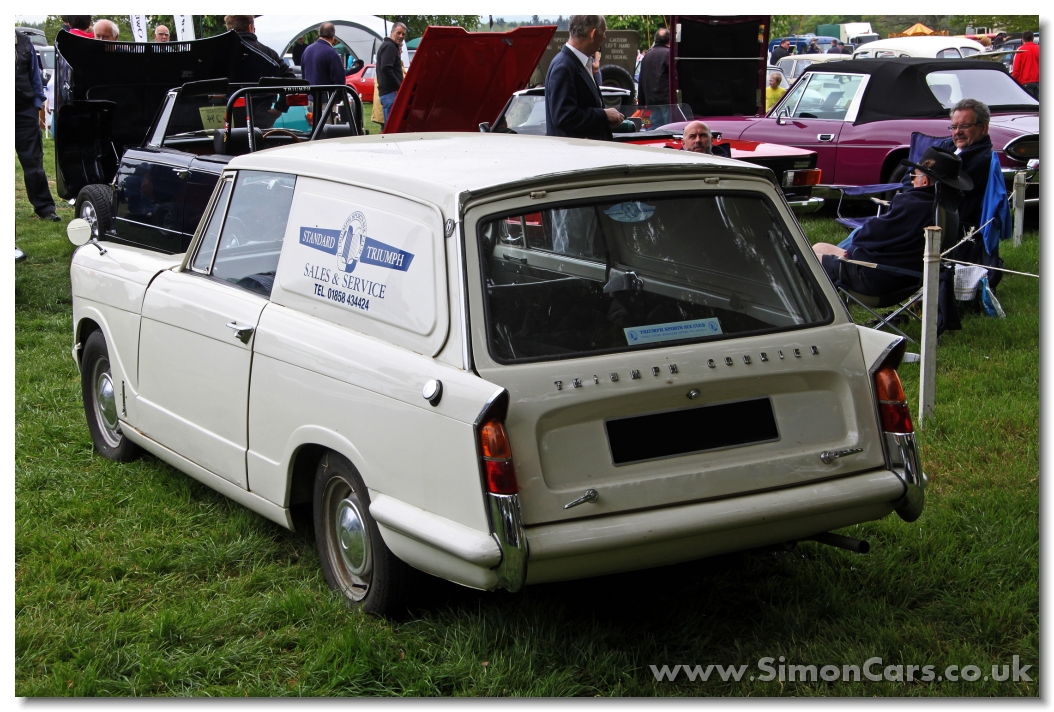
[[971, 142], [161, 34]]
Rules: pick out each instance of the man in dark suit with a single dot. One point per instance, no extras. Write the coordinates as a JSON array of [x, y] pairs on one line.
[[655, 72], [573, 105]]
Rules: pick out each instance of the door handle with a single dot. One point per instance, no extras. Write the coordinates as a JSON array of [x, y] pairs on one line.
[[829, 456], [511, 258], [826, 138], [241, 332], [181, 172]]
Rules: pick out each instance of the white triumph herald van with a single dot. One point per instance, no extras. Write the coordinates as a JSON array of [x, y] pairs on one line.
[[498, 359]]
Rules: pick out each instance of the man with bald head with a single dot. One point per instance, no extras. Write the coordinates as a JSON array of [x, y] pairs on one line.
[[698, 139], [161, 34], [106, 30]]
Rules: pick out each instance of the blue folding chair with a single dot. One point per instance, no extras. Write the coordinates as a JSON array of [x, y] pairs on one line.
[[919, 143]]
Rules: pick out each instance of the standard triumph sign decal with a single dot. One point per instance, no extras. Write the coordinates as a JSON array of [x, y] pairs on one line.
[[363, 255], [351, 246]]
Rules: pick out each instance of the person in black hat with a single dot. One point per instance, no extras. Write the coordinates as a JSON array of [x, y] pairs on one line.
[[895, 238]]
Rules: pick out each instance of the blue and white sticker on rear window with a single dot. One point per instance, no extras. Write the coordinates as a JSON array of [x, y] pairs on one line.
[[673, 331], [630, 212]]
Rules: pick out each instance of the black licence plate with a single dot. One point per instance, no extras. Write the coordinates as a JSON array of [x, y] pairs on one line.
[[690, 430]]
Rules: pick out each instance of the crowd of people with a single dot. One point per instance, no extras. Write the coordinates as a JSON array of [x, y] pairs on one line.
[[575, 108]]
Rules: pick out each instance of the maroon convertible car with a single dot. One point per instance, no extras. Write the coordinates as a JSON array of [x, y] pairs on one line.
[[858, 115]]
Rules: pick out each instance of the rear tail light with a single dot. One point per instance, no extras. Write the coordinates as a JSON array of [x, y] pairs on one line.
[[296, 100], [1023, 148], [892, 403], [496, 457], [796, 179]]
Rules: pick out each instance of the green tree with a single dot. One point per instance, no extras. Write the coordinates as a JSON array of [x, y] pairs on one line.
[[645, 25], [1006, 23], [416, 24]]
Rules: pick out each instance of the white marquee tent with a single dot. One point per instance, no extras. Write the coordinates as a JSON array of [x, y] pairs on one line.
[[362, 34]]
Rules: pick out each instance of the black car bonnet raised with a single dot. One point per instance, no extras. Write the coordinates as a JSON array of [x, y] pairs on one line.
[[897, 88]]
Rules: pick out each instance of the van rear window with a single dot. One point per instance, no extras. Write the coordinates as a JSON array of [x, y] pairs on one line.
[[642, 272]]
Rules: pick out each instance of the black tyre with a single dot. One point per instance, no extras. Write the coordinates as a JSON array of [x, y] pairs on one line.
[[613, 75], [354, 558], [101, 402], [94, 205]]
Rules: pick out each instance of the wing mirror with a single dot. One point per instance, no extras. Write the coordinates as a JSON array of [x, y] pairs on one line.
[[79, 233], [781, 118], [484, 127]]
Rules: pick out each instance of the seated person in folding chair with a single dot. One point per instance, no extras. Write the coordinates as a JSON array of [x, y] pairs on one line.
[[894, 240], [971, 142]]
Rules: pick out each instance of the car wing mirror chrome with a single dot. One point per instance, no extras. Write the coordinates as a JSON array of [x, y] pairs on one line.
[[79, 233], [484, 127], [623, 282], [781, 118]]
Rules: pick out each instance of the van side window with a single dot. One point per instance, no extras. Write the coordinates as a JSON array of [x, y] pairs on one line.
[[251, 240], [207, 247]]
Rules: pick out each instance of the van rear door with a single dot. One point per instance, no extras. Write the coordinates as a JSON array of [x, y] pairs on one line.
[[662, 345]]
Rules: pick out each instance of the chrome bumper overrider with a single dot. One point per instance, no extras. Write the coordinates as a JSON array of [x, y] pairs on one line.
[[507, 521], [908, 469], [809, 205]]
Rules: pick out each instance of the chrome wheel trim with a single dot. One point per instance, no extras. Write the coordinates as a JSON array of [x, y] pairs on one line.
[[104, 402], [347, 539], [88, 213]]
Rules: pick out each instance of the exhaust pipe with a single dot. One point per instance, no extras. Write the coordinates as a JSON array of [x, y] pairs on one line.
[[842, 542]]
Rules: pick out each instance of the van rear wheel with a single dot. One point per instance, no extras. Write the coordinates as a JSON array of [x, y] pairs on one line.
[[355, 560]]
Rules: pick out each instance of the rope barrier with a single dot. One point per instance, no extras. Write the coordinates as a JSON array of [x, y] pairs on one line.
[[998, 269]]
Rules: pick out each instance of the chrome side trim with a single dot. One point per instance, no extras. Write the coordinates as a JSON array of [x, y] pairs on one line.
[[910, 471], [152, 227], [809, 205], [507, 521]]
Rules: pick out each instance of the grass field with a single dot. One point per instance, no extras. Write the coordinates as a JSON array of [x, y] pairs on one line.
[[133, 579]]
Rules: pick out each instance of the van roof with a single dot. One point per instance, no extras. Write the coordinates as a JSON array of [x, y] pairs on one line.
[[438, 167]]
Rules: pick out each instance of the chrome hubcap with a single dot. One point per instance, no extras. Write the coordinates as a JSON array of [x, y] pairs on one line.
[[351, 537], [106, 403], [347, 539], [88, 213]]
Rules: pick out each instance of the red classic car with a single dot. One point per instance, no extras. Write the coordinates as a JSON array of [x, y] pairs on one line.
[[858, 115], [362, 81]]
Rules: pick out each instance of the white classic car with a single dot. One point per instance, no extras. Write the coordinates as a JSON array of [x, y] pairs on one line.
[[498, 359]]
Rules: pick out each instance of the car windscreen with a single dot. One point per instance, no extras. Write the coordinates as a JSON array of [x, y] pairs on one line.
[[994, 88], [642, 271], [525, 115]]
